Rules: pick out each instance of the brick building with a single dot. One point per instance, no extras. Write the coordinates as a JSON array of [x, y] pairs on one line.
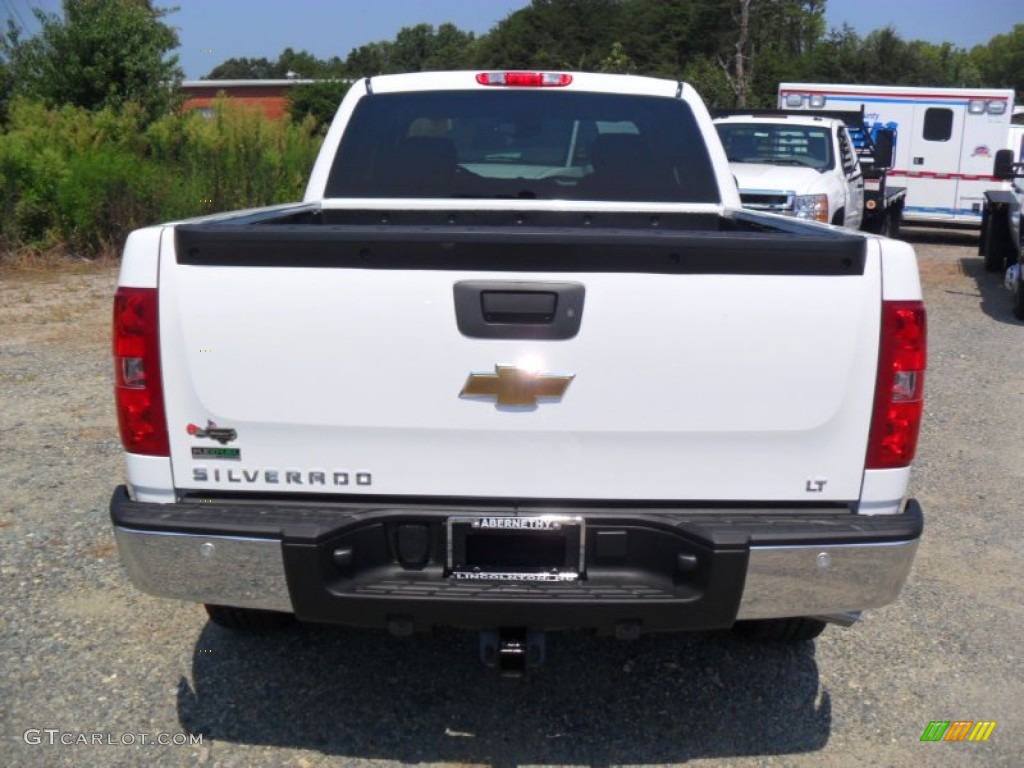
[[271, 96]]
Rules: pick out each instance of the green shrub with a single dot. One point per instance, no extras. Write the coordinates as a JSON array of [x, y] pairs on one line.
[[239, 159], [104, 195], [83, 180]]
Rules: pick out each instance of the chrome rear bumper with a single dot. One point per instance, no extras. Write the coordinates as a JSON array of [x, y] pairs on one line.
[[222, 570], [824, 580], [820, 578]]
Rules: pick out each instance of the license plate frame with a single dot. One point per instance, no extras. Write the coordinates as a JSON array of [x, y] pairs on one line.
[[516, 547]]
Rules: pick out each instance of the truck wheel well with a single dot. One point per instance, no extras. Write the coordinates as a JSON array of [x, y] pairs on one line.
[[839, 217]]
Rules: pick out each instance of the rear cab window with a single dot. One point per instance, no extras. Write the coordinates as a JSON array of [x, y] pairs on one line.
[[523, 145], [777, 144]]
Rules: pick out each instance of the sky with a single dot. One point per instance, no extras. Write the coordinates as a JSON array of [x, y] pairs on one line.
[[212, 31]]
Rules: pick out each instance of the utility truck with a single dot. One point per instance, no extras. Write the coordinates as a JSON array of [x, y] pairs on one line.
[[519, 362], [945, 139], [822, 166]]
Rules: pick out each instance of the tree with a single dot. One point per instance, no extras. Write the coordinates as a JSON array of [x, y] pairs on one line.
[[243, 69], [661, 38], [303, 64], [617, 61], [1001, 61], [559, 34], [785, 34], [884, 58], [415, 49], [735, 66], [837, 57], [10, 41], [710, 82], [370, 59], [411, 48], [766, 37], [320, 99], [102, 53], [290, 63], [450, 48]]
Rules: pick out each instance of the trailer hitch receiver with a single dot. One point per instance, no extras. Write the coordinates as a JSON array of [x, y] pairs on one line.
[[512, 650]]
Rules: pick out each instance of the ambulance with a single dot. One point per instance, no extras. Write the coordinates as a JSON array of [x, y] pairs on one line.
[[946, 140]]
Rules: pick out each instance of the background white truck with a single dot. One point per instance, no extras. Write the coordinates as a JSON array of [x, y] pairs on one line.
[[823, 167], [946, 139], [519, 362]]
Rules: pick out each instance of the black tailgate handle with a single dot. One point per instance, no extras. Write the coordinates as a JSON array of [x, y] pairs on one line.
[[518, 309]]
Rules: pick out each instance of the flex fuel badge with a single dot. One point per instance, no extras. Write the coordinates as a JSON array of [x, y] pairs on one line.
[[216, 453]]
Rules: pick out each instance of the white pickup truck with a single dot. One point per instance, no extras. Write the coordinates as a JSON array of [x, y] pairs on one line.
[[519, 362], [812, 166]]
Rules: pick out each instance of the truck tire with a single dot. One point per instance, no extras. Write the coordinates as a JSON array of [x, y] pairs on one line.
[[794, 630], [876, 224], [893, 221], [247, 619], [995, 246]]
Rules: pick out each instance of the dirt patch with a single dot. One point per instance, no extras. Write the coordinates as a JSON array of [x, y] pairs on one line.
[[936, 270], [107, 549], [91, 605]]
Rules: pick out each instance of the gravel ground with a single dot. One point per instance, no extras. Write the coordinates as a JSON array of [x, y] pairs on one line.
[[84, 653]]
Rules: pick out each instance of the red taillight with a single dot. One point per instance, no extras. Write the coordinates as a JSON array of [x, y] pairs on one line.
[[899, 391], [524, 79], [137, 385]]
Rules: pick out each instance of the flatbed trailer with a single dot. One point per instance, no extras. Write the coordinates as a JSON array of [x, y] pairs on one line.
[[884, 203]]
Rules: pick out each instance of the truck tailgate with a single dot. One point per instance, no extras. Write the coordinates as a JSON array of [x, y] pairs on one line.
[[703, 385]]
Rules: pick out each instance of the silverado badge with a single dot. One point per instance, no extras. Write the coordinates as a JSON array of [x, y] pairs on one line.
[[222, 435], [510, 385]]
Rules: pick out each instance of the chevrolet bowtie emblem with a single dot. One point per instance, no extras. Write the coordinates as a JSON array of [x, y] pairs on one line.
[[510, 385]]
